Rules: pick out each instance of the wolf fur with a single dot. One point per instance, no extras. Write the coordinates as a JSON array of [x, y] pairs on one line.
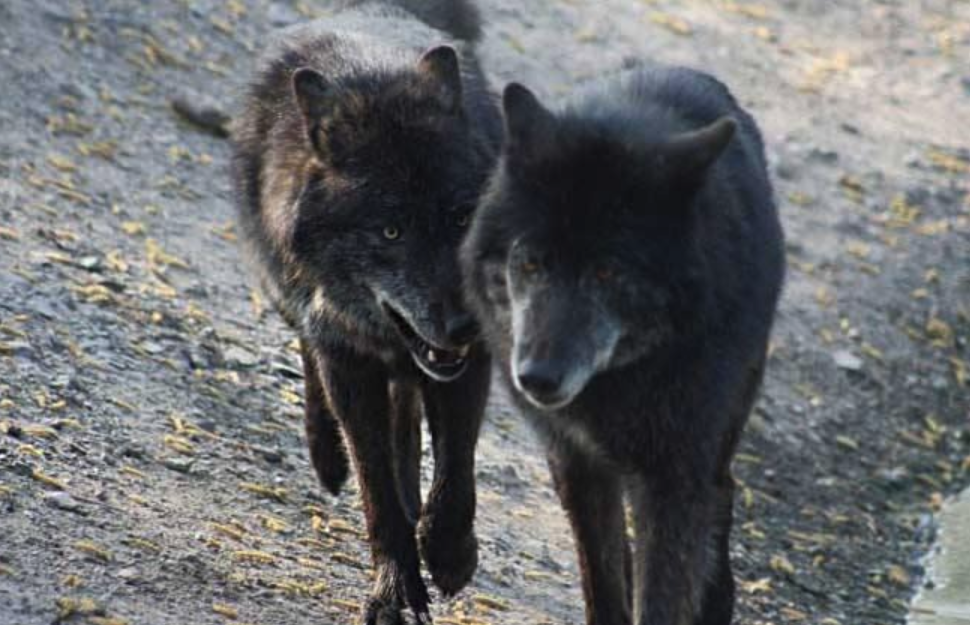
[[362, 145], [625, 264]]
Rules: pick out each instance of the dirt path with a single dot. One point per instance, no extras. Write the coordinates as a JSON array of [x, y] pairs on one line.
[[151, 461]]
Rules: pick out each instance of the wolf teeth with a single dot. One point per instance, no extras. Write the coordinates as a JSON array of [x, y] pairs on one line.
[[463, 351], [432, 357]]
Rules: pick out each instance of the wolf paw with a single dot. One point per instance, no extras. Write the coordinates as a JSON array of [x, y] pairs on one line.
[[333, 474], [450, 554], [398, 586], [382, 612], [330, 462]]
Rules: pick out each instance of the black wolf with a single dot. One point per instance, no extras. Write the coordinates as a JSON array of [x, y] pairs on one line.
[[361, 149], [625, 263]]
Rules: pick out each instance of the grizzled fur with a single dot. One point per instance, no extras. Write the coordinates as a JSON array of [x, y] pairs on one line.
[[625, 264], [360, 151]]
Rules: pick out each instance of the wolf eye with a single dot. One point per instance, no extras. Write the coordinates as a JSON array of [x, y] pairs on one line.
[[604, 273], [530, 266], [391, 233], [463, 214]]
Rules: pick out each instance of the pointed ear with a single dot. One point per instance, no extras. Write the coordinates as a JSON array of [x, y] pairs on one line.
[[314, 97], [692, 153], [439, 66], [529, 127]]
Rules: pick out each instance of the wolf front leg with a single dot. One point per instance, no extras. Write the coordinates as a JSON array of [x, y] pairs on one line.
[[717, 602], [592, 496], [326, 445], [675, 529], [406, 425], [446, 531], [357, 391]]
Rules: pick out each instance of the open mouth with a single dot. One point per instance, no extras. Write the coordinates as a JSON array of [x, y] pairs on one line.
[[443, 365]]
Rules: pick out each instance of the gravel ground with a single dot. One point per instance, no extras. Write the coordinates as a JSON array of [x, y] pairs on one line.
[[152, 467]]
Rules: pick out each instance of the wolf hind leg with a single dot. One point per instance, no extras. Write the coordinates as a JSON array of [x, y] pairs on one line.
[[327, 451], [717, 606]]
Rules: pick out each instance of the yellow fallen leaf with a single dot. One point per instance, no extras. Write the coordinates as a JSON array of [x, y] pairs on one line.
[[939, 332], [933, 228], [273, 524], [43, 478], [270, 492], [674, 24], [39, 431], [90, 548], [29, 450], [348, 560], [72, 581], [947, 162], [754, 11], [69, 606], [61, 163], [898, 575], [133, 228], [143, 543], [106, 620], [258, 557], [351, 606], [179, 444], [132, 471], [491, 603], [231, 531], [959, 370], [781, 564], [762, 585], [157, 256]]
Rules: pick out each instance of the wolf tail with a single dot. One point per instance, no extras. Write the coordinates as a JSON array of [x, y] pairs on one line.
[[459, 18]]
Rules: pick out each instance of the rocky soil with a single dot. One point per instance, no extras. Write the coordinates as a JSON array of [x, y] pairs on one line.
[[152, 467]]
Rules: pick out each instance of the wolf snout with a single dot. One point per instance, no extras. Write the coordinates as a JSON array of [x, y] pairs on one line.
[[461, 329], [542, 382]]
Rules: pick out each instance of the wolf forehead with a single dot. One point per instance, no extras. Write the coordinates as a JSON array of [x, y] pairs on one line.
[[582, 186]]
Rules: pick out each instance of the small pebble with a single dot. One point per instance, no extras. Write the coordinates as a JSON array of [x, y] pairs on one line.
[[62, 501], [844, 359]]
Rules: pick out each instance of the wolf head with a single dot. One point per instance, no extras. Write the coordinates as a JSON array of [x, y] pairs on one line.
[[583, 255], [389, 194]]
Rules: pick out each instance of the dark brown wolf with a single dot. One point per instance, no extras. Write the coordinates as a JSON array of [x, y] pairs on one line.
[[363, 144], [625, 264]]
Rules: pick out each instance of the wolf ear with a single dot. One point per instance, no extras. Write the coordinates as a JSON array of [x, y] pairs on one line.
[[529, 126], [314, 97], [439, 66], [692, 153]]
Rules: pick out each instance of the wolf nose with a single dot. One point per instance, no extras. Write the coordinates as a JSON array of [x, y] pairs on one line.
[[461, 329], [539, 378]]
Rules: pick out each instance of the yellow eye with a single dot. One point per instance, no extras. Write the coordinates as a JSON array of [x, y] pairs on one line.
[[604, 273], [391, 233], [530, 267]]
